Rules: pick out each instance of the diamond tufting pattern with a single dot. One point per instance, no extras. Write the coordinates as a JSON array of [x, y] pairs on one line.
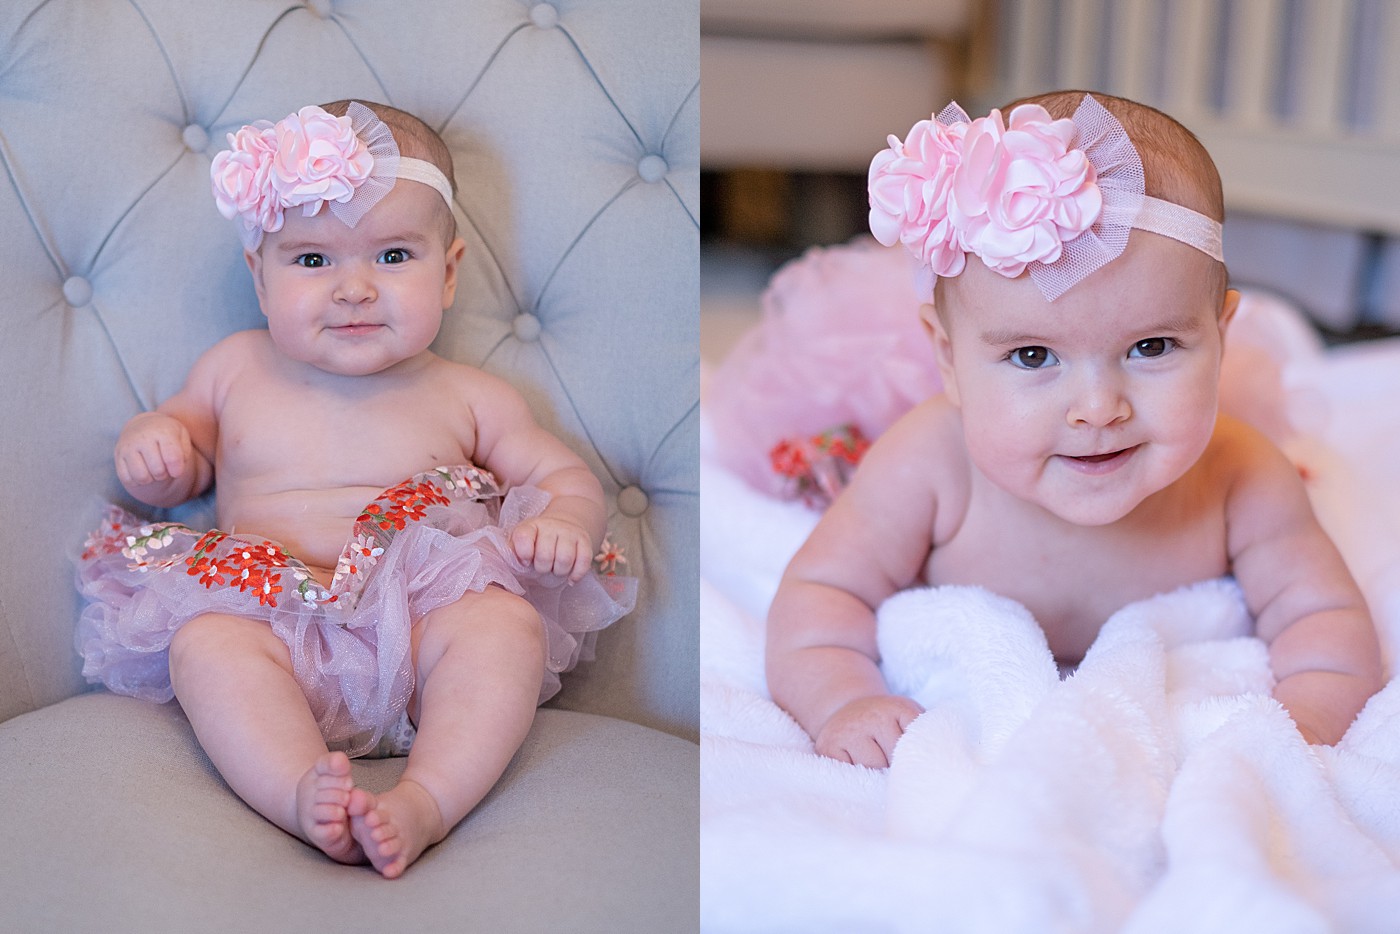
[[574, 127]]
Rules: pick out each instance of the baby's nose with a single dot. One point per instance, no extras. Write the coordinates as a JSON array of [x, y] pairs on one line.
[[1098, 401], [355, 287]]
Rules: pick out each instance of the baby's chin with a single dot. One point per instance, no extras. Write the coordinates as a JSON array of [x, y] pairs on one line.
[[1090, 509], [1092, 512]]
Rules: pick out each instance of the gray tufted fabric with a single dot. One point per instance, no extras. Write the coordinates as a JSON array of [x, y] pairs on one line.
[[574, 128]]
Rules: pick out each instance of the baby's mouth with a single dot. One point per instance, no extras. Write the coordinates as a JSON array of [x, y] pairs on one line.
[[1100, 463]]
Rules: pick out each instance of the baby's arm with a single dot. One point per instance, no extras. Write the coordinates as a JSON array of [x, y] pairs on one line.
[[165, 457], [822, 659], [561, 540], [1322, 645]]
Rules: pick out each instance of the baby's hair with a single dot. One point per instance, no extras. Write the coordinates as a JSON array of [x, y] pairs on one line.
[[416, 140]]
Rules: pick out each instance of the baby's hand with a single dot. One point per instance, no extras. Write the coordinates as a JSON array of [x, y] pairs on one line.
[[553, 546], [153, 448], [864, 731]]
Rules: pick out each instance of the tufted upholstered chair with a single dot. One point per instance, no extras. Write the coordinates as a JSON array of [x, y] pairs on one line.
[[574, 126]]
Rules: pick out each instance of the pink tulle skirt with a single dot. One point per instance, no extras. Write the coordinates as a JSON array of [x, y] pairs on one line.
[[840, 347], [419, 546]]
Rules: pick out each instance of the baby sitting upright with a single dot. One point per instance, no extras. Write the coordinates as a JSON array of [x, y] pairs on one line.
[[339, 605]]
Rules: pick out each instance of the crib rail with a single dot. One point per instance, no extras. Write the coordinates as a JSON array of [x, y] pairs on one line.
[[1297, 100]]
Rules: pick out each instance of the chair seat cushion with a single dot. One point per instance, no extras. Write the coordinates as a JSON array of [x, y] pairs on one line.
[[118, 822]]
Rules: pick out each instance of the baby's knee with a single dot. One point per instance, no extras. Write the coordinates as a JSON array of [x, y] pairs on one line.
[[493, 610], [211, 639], [510, 611]]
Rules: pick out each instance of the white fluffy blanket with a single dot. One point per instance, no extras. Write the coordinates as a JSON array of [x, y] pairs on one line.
[[1157, 788]]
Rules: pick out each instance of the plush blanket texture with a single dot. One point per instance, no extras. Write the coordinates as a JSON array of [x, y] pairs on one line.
[[1158, 787]]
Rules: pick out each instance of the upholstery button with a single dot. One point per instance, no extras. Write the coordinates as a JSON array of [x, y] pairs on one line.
[[544, 15], [652, 168], [632, 501], [322, 8], [77, 291], [526, 327], [196, 138]]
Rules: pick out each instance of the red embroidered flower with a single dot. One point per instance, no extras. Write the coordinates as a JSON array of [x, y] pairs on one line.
[[789, 459], [208, 571], [819, 466]]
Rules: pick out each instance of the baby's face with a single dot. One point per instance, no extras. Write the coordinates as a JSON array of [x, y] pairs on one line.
[[362, 300], [1088, 405]]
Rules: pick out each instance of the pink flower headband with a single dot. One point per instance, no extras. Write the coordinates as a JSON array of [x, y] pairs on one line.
[[1057, 196], [311, 158]]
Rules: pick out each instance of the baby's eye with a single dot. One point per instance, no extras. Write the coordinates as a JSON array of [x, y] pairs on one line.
[[1033, 358], [1153, 347], [311, 260], [393, 256]]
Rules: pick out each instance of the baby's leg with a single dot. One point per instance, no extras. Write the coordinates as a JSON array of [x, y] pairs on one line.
[[233, 677], [478, 664]]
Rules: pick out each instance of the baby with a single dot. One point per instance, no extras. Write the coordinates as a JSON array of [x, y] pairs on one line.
[[316, 621], [1075, 461]]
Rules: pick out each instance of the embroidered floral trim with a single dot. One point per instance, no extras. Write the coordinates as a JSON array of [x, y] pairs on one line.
[[817, 468], [264, 569], [391, 513]]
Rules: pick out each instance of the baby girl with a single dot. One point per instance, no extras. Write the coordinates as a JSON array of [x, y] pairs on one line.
[[1074, 461], [310, 621]]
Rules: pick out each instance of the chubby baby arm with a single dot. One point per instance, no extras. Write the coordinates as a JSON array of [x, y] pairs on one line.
[[166, 457], [822, 657], [157, 461], [561, 540], [1322, 643]]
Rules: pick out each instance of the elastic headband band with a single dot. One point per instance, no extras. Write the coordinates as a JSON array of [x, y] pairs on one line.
[[312, 159], [1057, 197]]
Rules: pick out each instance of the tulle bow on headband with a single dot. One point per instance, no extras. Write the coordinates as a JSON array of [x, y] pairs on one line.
[[1055, 196], [312, 159]]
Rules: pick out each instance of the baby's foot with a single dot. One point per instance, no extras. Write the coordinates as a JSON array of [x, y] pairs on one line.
[[323, 799], [394, 828]]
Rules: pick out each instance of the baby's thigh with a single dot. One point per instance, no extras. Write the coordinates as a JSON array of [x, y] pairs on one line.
[[217, 641], [478, 621]]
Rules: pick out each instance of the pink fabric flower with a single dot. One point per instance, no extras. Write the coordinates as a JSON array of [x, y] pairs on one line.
[[240, 178], [317, 158], [910, 186], [1021, 190], [1013, 194], [308, 158]]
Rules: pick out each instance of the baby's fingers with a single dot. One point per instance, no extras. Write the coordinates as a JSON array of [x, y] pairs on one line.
[[548, 554], [174, 453], [583, 561], [522, 542], [140, 466]]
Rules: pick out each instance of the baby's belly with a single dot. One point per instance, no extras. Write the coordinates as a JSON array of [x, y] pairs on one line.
[[311, 525]]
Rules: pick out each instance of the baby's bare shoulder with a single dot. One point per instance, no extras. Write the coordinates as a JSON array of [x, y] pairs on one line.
[[251, 343], [1241, 457], [924, 447], [1265, 495], [472, 383]]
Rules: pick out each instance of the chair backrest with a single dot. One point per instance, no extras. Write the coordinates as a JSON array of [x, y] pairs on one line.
[[574, 126]]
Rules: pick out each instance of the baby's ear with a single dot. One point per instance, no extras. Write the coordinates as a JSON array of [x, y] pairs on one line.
[[455, 251], [1228, 306], [942, 348], [254, 260]]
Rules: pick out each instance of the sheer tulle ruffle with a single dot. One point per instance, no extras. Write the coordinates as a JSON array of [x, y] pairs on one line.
[[420, 546]]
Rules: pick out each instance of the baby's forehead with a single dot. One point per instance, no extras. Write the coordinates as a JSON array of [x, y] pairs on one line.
[[1154, 272], [406, 215]]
